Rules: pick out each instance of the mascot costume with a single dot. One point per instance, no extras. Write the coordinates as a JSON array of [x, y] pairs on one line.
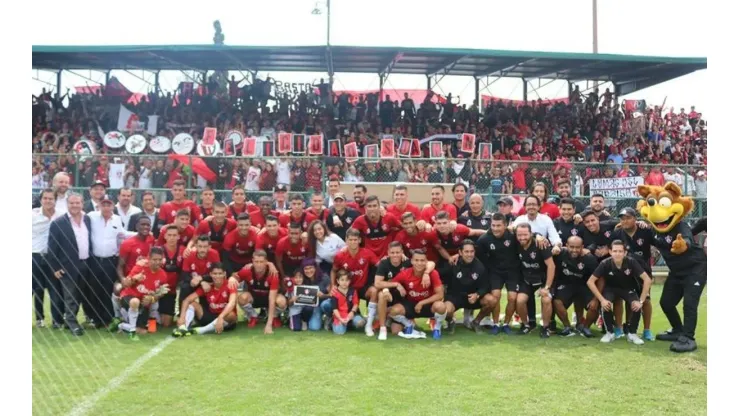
[[665, 207]]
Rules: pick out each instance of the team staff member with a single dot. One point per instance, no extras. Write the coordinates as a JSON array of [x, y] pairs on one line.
[[68, 252], [240, 243], [459, 192], [97, 192], [169, 211], [573, 270], [218, 315], [475, 218], [597, 206], [401, 204], [624, 278], [148, 209], [428, 214], [638, 242], [124, 209], [538, 274], [498, 250], [297, 214], [411, 238], [377, 230], [105, 230], [317, 207], [539, 223], [217, 226], [341, 218], [425, 302], [41, 219], [261, 291], [359, 202], [468, 287], [142, 289], [566, 225], [505, 205]]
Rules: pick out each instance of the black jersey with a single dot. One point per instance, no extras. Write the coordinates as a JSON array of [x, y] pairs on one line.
[[388, 270], [602, 238], [461, 209], [466, 278], [638, 246], [625, 277], [567, 229], [532, 261], [349, 217], [574, 270], [499, 255], [480, 222], [684, 262]]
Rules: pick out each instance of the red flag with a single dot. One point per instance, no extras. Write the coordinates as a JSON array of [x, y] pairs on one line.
[[350, 152], [249, 148], [387, 149], [209, 136], [316, 144], [198, 165], [284, 142]]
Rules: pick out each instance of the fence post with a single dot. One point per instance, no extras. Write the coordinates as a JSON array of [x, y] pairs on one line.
[[77, 169]]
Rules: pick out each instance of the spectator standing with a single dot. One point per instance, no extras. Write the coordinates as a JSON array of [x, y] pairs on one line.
[[701, 184]]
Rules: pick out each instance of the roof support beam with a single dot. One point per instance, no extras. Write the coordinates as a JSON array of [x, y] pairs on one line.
[[330, 65], [448, 65], [140, 77], [388, 68], [503, 70], [174, 62], [81, 76]]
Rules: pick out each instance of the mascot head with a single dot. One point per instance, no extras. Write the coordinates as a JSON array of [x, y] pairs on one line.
[[663, 206]]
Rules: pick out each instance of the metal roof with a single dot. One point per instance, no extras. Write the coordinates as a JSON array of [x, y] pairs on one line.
[[629, 72]]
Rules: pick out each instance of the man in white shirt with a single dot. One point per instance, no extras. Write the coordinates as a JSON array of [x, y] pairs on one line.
[[106, 232], [124, 208], [676, 177], [540, 223], [701, 184], [149, 208], [41, 218], [252, 182], [145, 175], [283, 172], [60, 183]]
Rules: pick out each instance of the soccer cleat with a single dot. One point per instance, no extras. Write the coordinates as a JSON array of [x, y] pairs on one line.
[[618, 332], [408, 330], [567, 332], [437, 334], [487, 321], [544, 332], [369, 330], [40, 324], [506, 329], [383, 334], [252, 322], [584, 330], [608, 337], [113, 327], [477, 327], [133, 336], [497, 329], [634, 339], [410, 333], [451, 325], [419, 334], [524, 330], [57, 325], [178, 333], [276, 323], [683, 344], [668, 336], [647, 335]]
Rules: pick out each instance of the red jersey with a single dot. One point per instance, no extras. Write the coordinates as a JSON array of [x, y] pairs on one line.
[[233, 210], [452, 241], [258, 220], [206, 212], [423, 240], [323, 215], [168, 211], [194, 264], [133, 249], [268, 243], [185, 236], [357, 266], [152, 281], [398, 213], [549, 209], [217, 297], [304, 219], [412, 284], [217, 233], [428, 213], [240, 247], [344, 302], [357, 207], [292, 254], [258, 285], [173, 264], [377, 236]]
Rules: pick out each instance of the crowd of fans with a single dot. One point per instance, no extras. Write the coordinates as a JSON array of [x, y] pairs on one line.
[[591, 137]]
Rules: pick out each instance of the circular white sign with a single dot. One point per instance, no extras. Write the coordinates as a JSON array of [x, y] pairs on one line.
[[114, 140], [210, 150], [235, 136], [136, 144], [85, 147], [183, 144], [160, 144]]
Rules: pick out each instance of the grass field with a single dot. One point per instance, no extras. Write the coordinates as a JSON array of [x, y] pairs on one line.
[[246, 372]]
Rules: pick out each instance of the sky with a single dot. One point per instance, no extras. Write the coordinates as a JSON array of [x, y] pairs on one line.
[[635, 27]]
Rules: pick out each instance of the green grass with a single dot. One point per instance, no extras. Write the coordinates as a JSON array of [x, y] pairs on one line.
[[246, 372]]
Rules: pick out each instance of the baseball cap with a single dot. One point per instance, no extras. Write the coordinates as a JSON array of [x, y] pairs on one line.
[[701, 173], [340, 195], [106, 199], [98, 182], [505, 200], [627, 211], [280, 188]]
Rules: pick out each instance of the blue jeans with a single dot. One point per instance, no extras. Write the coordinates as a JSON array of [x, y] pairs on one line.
[[326, 307], [357, 322], [310, 314]]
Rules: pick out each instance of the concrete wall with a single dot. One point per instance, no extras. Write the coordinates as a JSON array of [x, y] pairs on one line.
[[419, 193]]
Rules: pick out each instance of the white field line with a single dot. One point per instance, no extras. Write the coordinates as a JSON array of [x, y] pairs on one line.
[[113, 384]]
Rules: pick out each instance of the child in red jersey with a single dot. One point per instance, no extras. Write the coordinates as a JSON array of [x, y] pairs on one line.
[[346, 304]]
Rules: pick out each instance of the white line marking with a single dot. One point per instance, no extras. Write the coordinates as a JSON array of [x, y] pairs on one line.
[[92, 400]]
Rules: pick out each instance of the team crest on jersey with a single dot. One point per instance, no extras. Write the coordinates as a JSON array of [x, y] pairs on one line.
[[362, 261], [507, 243], [345, 265], [607, 234], [483, 222], [474, 276], [627, 272], [423, 242], [455, 238], [459, 275], [390, 275], [639, 241], [533, 255], [305, 224], [251, 282], [470, 222], [289, 284], [385, 227], [251, 244], [668, 239], [223, 294], [493, 247], [411, 285], [408, 245], [174, 213], [574, 232], [192, 267], [269, 246], [367, 231], [348, 220], [138, 251], [303, 249], [580, 266], [208, 265]]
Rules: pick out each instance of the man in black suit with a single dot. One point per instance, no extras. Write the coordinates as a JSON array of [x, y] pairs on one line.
[[70, 247], [149, 209]]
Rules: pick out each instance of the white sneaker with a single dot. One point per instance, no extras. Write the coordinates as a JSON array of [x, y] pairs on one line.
[[413, 335], [487, 321], [633, 338], [369, 330], [382, 334], [608, 337]]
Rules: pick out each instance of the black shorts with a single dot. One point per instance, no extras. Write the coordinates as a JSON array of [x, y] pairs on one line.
[[628, 295], [207, 317], [460, 301], [426, 310], [570, 293], [143, 318], [167, 304], [260, 301], [368, 284], [395, 296], [529, 289], [510, 279]]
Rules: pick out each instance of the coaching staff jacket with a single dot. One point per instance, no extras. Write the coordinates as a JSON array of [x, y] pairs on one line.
[[63, 253]]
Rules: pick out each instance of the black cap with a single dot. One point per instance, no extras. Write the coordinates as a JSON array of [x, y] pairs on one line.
[[98, 182], [505, 200], [280, 188], [627, 211]]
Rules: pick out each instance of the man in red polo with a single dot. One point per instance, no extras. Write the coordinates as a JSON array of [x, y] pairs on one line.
[[168, 211], [401, 205], [296, 214], [438, 205]]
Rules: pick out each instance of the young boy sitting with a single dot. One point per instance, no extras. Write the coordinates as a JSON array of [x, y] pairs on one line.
[[346, 304]]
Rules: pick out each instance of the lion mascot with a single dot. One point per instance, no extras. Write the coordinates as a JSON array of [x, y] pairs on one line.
[[664, 207]]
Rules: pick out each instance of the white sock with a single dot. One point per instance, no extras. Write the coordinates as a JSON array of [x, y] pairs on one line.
[[115, 301], [123, 313], [189, 316], [402, 320], [372, 310], [132, 317], [206, 329], [123, 326], [249, 311], [467, 315], [438, 319]]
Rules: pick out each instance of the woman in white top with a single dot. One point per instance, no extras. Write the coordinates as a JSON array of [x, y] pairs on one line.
[[324, 243]]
